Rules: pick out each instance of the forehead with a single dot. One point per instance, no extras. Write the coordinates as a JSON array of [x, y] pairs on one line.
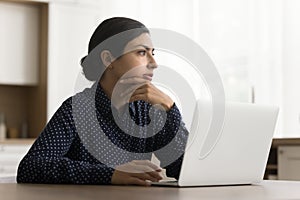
[[142, 40]]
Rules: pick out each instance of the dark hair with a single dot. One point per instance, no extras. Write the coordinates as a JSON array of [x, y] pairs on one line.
[[106, 30]]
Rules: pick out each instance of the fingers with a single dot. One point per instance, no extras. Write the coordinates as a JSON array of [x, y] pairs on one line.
[[138, 166], [148, 163], [153, 176], [122, 178], [138, 98], [133, 80], [144, 90], [137, 172], [136, 88], [137, 181], [142, 93], [130, 90], [149, 171], [156, 175]]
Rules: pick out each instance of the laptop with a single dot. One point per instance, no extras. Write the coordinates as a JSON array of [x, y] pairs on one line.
[[239, 153]]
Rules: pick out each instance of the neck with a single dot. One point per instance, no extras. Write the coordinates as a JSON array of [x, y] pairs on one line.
[[107, 83]]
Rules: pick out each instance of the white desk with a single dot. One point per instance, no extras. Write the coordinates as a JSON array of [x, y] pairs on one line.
[[266, 190]]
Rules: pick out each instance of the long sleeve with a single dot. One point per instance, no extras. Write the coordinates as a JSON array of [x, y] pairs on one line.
[[172, 139], [56, 158], [162, 133]]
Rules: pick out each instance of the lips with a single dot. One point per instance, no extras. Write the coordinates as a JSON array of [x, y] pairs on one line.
[[148, 76]]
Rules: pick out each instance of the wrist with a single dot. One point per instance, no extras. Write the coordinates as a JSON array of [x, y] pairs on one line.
[[168, 106]]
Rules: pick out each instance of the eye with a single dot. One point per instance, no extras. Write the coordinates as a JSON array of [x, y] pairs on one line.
[[142, 52]]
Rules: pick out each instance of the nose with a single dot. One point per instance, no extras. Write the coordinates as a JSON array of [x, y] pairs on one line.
[[151, 62]]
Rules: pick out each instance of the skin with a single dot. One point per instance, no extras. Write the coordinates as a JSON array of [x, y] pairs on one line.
[[133, 72]]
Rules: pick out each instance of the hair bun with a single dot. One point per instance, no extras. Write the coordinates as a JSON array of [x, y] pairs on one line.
[[82, 60]]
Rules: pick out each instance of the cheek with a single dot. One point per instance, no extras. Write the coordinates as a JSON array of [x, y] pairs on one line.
[[133, 61], [134, 65], [120, 68], [131, 71], [125, 67], [129, 64]]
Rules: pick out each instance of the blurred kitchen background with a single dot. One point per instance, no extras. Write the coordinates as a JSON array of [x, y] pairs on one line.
[[253, 43]]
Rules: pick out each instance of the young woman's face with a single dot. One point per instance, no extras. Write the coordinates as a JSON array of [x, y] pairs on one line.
[[137, 59]]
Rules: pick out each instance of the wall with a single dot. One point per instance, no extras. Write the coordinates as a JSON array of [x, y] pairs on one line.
[[70, 27], [291, 68], [253, 43]]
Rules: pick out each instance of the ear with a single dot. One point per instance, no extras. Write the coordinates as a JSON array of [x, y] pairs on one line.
[[106, 57]]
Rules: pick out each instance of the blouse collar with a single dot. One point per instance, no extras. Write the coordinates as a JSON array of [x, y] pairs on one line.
[[103, 103]]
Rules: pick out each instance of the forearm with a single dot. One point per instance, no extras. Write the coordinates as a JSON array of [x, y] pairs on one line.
[[173, 130], [173, 139], [173, 169], [62, 170]]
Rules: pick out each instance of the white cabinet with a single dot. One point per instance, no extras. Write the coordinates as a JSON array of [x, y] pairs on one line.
[[19, 43], [10, 157], [289, 162]]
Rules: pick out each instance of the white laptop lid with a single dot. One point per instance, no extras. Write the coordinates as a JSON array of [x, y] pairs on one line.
[[240, 153]]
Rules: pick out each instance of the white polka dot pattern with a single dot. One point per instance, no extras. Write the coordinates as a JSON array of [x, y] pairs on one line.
[[59, 156]]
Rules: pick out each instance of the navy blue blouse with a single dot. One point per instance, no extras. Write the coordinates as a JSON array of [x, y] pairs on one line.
[[64, 154]]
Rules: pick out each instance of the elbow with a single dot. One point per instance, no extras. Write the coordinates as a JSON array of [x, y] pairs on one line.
[[24, 172]]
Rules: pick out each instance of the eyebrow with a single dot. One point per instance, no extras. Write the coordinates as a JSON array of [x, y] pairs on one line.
[[145, 46]]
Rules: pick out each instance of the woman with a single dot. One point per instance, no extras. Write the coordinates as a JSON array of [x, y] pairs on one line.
[[61, 154]]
